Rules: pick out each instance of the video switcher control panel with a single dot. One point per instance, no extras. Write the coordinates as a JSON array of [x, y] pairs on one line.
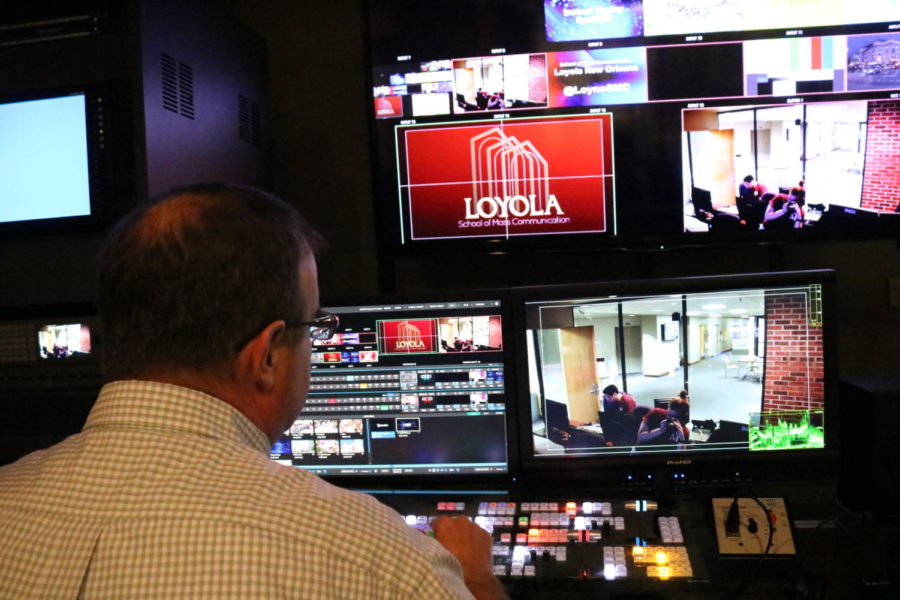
[[578, 541]]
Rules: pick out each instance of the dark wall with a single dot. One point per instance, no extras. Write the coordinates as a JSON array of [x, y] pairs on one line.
[[319, 128]]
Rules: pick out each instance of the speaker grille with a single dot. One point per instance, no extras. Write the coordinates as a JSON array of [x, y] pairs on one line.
[[177, 86], [249, 121], [169, 83], [186, 90]]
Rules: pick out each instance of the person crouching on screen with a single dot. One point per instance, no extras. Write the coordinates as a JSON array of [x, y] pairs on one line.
[[661, 426], [783, 213]]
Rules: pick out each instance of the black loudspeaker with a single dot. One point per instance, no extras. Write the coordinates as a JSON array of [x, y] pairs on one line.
[[870, 443]]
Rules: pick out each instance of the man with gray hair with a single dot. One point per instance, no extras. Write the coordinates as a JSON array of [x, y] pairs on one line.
[[209, 298]]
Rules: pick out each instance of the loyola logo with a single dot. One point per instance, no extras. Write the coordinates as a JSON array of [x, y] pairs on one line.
[[494, 179], [409, 338], [509, 178], [384, 108], [406, 336], [516, 206]]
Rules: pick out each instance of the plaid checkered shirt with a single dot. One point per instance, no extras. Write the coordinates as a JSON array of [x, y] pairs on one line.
[[169, 493]]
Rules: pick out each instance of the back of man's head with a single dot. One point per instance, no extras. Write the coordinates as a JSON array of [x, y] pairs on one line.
[[188, 279], [610, 390]]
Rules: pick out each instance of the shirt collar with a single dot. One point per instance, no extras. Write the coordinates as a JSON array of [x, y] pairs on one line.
[[147, 405]]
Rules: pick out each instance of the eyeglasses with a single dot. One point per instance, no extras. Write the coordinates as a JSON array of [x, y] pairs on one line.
[[320, 328]]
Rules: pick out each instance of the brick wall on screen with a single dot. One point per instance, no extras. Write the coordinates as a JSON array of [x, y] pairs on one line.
[[537, 78], [794, 369], [881, 181]]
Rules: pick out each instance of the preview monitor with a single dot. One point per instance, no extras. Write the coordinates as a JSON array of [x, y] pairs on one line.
[[64, 340], [48, 337], [63, 159], [745, 387], [554, 123], [408, 388]]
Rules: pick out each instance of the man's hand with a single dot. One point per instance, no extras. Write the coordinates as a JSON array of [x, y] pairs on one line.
[[472, 547]]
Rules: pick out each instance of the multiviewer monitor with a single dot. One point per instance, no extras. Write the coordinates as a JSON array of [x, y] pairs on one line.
[[604, 122], [414, 388], [613, 392]]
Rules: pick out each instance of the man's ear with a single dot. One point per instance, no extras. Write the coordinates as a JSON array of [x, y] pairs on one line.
[[256, 361]]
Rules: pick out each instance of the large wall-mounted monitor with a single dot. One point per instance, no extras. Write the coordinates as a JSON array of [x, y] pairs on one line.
[[44, 159], [744, 390], [410, 389], [64, 159], [512, 124]]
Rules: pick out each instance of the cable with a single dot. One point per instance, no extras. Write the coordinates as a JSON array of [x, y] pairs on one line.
[[770, 519]]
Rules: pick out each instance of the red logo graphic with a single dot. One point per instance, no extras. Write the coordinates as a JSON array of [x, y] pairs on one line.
[[388, 106], [405, 337], [508, 178]]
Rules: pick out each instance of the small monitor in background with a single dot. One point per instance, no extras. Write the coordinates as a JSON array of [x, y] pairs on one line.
[[64, 341], [848, 219], [731, 432], [50, 374], [46, 338]]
